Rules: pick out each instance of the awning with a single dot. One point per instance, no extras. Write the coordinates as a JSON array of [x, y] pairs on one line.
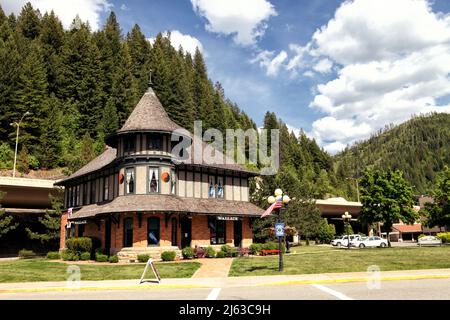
[[168, 203], [408, 228]]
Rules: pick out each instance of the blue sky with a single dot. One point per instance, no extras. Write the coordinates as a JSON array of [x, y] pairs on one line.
[[339, 70]]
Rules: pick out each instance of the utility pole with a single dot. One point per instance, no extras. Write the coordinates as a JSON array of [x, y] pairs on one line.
[[17, 140]]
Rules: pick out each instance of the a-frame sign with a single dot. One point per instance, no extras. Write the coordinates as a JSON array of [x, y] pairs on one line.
[[155, 272]]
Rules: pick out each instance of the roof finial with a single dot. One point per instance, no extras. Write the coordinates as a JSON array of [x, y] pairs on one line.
[[150, 83]]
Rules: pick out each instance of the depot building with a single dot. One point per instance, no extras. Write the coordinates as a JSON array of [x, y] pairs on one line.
[[134, 198]]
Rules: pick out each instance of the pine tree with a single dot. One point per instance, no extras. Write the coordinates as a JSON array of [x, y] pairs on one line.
[[139, 49], [7, 223], [203, 95], [29, 21], [50, 140], [51, 222]]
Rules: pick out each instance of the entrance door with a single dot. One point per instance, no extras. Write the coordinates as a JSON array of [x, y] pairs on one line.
[[128, 232], [237, 230], [153, 231], [185, 225], [107, 235]]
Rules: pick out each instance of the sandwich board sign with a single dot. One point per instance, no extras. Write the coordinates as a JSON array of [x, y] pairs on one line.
[[279, 229], [155, 271]]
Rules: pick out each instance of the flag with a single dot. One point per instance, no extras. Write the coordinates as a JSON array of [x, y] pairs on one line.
[[268, 212]]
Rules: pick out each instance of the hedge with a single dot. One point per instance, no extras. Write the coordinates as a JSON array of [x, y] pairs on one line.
[[210, 252], [99, 257], [168, 255], [70, 255], [53, 255], [81, 244], [187, 253], [85, 256], [26, 254], [143, 257], [113, 259]]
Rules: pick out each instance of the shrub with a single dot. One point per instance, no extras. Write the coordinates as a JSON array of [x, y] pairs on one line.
[[220, 254], [70, 255], [85, 256], [81, 244], [210, 252], [270, 246], [99, 257], [187, 253], [444, 236], [143, 257], [26, 254], [168, 255], [225, 249], [6, 156], [255, 248], [53, 255], [421, 236], [113, 259]]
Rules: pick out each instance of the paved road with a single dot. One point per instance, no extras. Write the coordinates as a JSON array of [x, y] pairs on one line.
[[435, 289]]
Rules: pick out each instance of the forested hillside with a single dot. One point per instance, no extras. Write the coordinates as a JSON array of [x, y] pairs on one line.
[[419, 147], [80, 86]]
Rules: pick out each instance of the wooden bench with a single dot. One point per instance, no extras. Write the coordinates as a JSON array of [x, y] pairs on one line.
[[266, 252]]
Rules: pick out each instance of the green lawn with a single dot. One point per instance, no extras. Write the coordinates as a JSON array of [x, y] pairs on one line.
[[318, 259], [44, 270]]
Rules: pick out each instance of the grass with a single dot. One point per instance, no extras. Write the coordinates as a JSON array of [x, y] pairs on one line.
[[43, 270], [319, 259]]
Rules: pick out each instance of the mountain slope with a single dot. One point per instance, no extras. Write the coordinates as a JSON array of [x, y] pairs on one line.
[[419, 147]]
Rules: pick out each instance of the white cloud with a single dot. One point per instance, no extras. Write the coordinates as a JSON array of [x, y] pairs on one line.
[[244, 20], [88, 10], [389, 67], [271, 63], [187, 42], [323, 66], [124, 7]]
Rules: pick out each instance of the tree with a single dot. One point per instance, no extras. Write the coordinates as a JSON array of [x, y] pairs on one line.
[[7, 223], [386, 198], [50, 141], [326, 231], [51, 221], [438, 211], [308, 220], [29, 21]]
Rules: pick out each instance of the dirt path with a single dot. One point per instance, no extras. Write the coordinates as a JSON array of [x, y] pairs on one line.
[[213, 268]]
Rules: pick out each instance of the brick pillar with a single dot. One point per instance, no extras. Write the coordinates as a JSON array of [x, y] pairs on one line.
[[62, 231]]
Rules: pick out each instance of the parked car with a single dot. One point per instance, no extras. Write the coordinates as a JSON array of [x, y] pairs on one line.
[[370, 242], [429, 241], [341, 241]]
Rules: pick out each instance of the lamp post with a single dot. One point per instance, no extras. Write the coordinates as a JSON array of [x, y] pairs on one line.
[[17, 124], [346, 218], [282, 200]]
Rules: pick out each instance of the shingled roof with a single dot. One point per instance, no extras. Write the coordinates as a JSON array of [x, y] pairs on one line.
[[149, 115], [168, 203], [108, 156]]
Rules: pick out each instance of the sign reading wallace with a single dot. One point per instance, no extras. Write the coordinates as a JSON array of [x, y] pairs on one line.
[[228, 218]]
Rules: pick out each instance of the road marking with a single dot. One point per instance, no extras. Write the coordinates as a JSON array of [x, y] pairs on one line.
[[213, 294], [335, 293]]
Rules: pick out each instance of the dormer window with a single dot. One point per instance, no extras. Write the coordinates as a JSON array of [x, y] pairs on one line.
[[129, 176], [154, 142], [129, 144]]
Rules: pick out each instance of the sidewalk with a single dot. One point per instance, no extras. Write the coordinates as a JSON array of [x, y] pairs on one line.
[[214, 268], [225, 282]]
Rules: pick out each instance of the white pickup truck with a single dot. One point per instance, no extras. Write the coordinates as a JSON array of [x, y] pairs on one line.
[[342, 241]]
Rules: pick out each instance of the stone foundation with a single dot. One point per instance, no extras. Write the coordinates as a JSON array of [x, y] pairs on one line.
[[130, 254]]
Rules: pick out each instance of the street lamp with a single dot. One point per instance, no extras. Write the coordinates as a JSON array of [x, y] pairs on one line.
[[17, 140], [346, 217], [281, 200]]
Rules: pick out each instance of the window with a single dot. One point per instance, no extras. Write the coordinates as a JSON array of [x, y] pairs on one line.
[[173, 188], [153, 180], [154, 142], [129, 183], [93, 189], [216, 187], [85, 194], [217, 231], [153, 231], [105, 188], [128, 232], [77, 199], [130, 144], [174, 232]]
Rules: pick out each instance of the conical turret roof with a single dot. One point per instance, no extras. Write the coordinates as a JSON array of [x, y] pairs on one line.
[[149, 115]]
